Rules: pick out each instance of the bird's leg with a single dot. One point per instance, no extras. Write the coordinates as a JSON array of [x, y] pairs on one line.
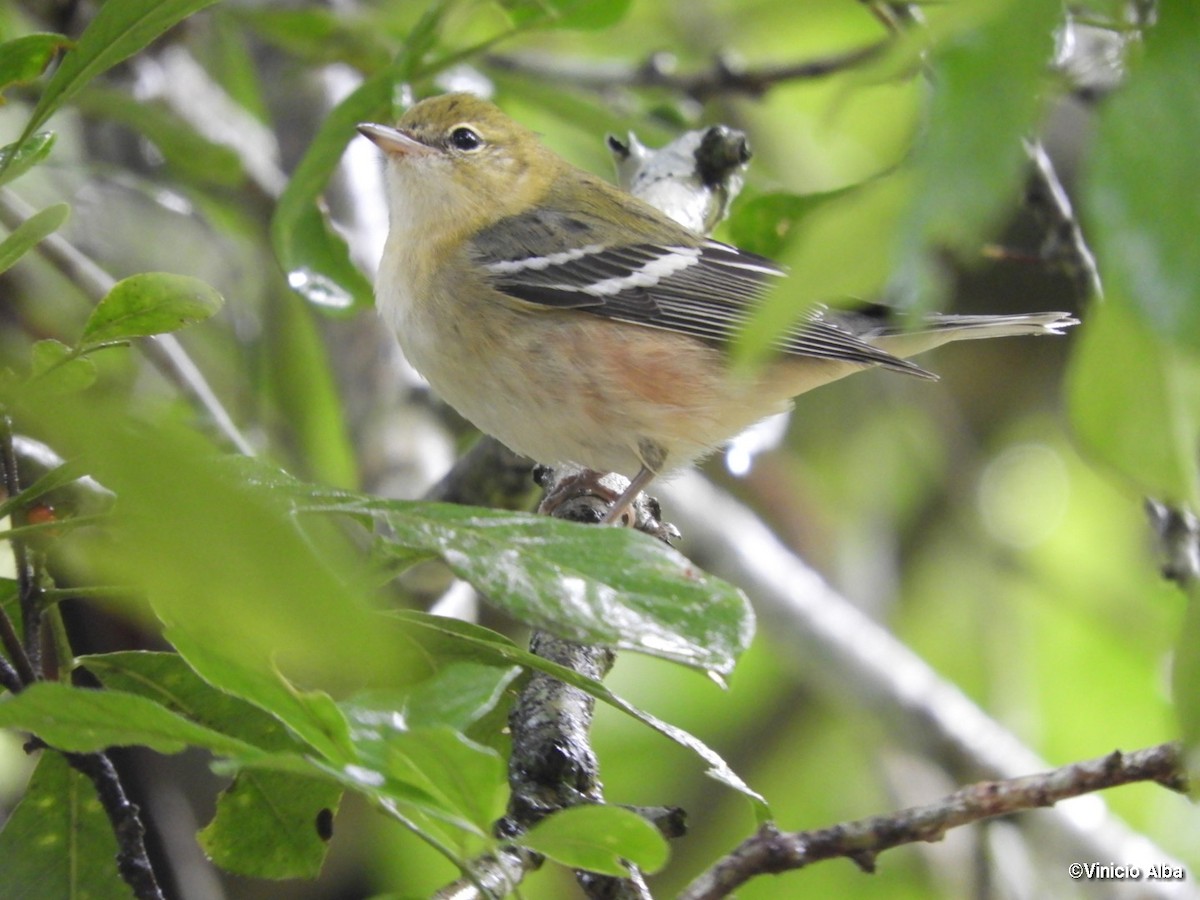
[[653, 456], [622, 504]]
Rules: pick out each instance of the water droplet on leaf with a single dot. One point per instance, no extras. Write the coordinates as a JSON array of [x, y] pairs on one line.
[[319, 289]]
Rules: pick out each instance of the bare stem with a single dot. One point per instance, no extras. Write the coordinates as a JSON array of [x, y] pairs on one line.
[[25, 653], [722, 77], [770, 851], [133, 862]]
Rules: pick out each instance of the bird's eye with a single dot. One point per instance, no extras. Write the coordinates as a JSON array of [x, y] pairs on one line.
[[464, 138]]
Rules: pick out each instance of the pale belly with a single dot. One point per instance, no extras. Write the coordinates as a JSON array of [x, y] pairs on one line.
[[567, 386]]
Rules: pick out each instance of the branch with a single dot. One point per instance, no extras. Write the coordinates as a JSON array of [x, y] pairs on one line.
[[770, 851], [492, 876], [1064, 244], [658, 71], [856, 661], [552, 765], [133, 862], [25, 653], [164, 351]]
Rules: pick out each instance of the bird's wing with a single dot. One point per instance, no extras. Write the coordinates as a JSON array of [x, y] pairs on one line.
[[704, 289]]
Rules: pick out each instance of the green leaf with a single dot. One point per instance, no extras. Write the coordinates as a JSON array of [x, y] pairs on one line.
[[117, 31], [31, 232], [10, 593], [17, 159], [766, 224], [1140, 216], [970, 165], [456, 695], [58, 842], [446, 636], [150, 303], [319, 35], [23, 59], [185, 150], [303, 387], [312, 716], [841, 248], [1135, 403], [84, 721], [272, 825], [167, 679], [316, 258], [582, 14], [225, 52], [10, 601], [265, 824], [599, 839], [56, 369], [247, 597], [53, 479], [594, 585], [463, 780]]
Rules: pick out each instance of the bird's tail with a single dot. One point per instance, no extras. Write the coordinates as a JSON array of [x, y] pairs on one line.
[[935, 330], [971, 327]]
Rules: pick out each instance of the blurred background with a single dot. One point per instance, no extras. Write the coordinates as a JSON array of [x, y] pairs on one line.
[[961, 516]]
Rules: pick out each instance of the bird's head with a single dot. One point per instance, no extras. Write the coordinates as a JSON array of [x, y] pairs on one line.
[[456, 157]]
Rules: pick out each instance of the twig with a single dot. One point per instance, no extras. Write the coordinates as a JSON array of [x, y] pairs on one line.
[[658, 70], [164, 351], [770, 851], [495, 875], [895, 17], [855, 660], [9, 679], [1178, 534], [26, 654], [1064, 243], [133, 862]]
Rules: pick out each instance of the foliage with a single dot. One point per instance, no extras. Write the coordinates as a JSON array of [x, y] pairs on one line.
[[299, 656]]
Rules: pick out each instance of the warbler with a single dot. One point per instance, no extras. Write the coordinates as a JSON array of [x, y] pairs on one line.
[[577, 324]]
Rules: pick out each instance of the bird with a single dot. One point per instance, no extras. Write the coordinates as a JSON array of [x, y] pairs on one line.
[[577, 324]]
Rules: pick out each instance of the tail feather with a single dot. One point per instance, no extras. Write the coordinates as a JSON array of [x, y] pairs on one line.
[[935, 330], [961, 328]]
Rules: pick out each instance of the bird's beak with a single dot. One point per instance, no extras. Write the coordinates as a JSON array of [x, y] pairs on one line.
[[392, 141]]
